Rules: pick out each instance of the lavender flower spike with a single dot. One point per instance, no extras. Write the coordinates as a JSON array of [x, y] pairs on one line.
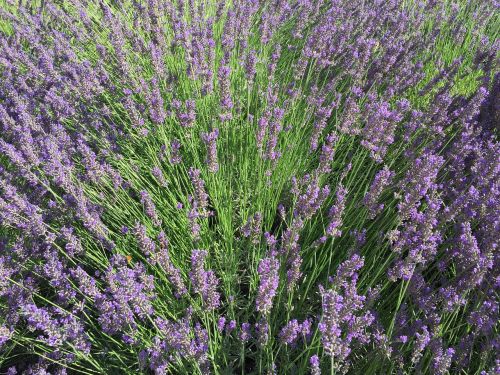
[[381, 180], [204, 282], [269, 278], [210, 141], [335, 213]]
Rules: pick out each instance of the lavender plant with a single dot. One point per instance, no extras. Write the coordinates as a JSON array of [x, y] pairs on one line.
[[251, 186]]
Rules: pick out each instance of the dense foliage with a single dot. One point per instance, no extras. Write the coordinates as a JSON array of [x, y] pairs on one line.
[[250, 186]]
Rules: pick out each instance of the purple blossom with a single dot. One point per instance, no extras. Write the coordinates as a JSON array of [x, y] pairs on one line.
[[327, 153], [245, 334], [146, 245], [73, 244], [274, 129], [262, 332], [335, 213], [175, 156], [204, 282], [155, 102], [179, 339], [252, 228], [380, 182], [231, 326], [94, 104], [343, 317], [269, 279], [314, 362], [162, 258], [129, 292], [210, 142], [158, 174], [221, 324], [193, 216], [226, 102], [250, 63], [185, 112], [310, 196], [422, 341], [57, 328], [150, 208], [200, 197], [418, 181], [420, 236], [442, 361], [5, 335], [294, 330], [378, 132], [289, 333], [350, 117], [322, 114]]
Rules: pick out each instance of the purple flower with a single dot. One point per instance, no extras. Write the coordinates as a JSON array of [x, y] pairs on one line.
[[422, 340], [58, 328], [200, 195], [335, 213], [289, 333], [157, 172], [129, 293], [343, 319], [419, 236], [327, 153], [262, 331], [146, 245], [322, 114], [175, 155], [86, 283], [310, 196], [150, 208], [5, 335], [250, 62], [379, 183], [179, 339], [210, 142], [291, 249], [226, 102], [162, 258], [269, 278], [293, 331], [378, 132], [82, 135], [442, 361], [204, 282], [155, 101], [275, 127], [185, 112], [221, 324], [73, 244], [193, 216], [314, 362], [231, 326], [245, 334], [418, 181], [252, 228], [484, 317], [350, 117]]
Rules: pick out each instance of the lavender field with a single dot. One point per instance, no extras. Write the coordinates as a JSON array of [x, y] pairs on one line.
[[249, 187]]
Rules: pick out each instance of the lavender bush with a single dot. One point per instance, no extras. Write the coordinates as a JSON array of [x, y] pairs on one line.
[[251, 187]]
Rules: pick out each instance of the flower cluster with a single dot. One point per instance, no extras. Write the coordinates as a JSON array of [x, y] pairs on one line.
[[349, 146]]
